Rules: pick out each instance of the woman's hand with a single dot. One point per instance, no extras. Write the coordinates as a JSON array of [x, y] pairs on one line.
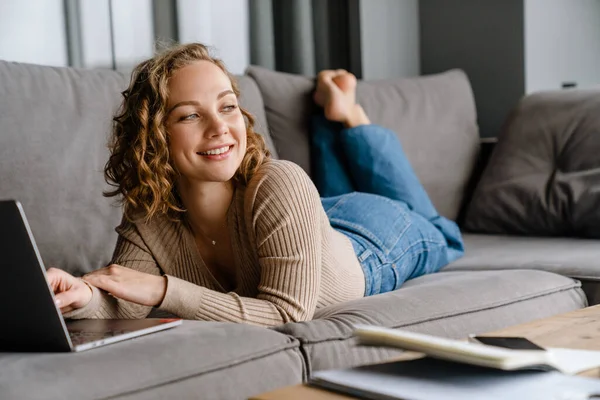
[[70, 293], [130, 285]]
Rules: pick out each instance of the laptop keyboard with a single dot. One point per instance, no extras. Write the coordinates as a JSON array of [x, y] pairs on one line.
[[78, 337]]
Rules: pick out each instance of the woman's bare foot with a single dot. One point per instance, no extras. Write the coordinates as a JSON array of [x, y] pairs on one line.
[[336, 93]]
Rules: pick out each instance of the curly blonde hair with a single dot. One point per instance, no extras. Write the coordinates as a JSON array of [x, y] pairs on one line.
[[140, 165]]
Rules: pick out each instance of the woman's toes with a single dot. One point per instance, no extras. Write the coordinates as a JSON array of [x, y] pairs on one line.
[[336, 93], [325, 75], [346, 82]]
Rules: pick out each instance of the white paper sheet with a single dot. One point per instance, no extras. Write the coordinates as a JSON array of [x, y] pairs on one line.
[[573, 361]]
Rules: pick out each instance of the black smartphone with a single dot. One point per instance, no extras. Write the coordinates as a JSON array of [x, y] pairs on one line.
[[514, 343]]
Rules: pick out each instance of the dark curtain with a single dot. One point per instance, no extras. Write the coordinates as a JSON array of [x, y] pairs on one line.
[[305, 36]]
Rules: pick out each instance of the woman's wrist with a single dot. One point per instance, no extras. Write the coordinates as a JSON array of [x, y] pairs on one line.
[[356, 117], [161, 290], [91, 293]]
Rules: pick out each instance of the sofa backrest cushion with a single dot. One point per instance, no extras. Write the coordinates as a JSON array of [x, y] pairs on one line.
[[54, 127], [251, 100], [543, 177], [434, 117]]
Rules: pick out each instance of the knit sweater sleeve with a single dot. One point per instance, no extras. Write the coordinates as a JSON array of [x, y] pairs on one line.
[[130, 252], [283, 207]]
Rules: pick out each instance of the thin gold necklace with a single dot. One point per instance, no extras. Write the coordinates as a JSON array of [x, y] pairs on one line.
[[212, 241]]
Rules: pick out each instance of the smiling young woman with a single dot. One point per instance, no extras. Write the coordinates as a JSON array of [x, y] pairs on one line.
[[215, 229]]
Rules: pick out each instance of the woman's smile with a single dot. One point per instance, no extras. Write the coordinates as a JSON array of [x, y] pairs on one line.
[[217, 154]]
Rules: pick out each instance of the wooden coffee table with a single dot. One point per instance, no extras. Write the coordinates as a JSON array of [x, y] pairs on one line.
[[574, 330]]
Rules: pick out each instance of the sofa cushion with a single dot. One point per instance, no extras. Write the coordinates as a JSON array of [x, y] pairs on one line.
[[54, 126], [252, 101], [543, 177], [434, 117], [450, 304], [572, 257], [195, 360]]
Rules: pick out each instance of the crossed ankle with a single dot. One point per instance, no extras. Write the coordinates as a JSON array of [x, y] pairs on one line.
[[356, 117]]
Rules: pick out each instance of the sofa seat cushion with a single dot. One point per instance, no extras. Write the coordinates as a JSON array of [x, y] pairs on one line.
[[576, 258], [572, 257], [450, 304], [195, 360], [543, 177], [433, 116]]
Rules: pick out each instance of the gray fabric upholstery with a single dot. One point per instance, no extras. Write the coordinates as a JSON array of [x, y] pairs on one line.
[[252, 101], [543, 178], [572, 257], [54, 126], [288, 107], [434, 117], [450, 304], [196, 360]]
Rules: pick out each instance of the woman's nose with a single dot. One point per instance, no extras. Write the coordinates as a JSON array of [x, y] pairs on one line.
[[217, 126]]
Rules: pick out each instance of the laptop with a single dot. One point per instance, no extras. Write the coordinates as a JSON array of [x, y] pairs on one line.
[[32, 322]]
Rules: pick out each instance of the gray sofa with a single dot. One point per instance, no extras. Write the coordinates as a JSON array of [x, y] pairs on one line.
[[54, 124]]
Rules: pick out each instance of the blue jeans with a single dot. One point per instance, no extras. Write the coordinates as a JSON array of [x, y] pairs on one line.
[[372, 195]]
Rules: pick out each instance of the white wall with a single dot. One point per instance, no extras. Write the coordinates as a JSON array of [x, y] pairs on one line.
[[33, 32], [562, 43], [133, 33], [95, 34], [220, 24], [389, 38]]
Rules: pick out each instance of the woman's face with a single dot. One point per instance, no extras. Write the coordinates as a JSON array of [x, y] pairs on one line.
[[206, 128]]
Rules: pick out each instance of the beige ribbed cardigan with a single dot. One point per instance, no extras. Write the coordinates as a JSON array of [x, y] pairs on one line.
[[289, 261]]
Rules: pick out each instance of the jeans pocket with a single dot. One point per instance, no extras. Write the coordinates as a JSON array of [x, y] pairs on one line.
[[390, 277]]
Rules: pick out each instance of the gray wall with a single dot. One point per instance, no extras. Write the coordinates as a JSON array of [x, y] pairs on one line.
[[389, 38], [485, 39], [562, 43]]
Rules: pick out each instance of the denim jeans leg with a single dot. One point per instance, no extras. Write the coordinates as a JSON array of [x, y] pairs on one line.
[[393, 244], [378, 165], [330, 172]]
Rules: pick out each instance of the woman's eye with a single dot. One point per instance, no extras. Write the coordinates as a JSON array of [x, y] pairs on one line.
[[229, 108], [189, 117]]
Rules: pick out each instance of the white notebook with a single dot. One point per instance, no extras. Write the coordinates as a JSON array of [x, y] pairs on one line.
[[563, 360]]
